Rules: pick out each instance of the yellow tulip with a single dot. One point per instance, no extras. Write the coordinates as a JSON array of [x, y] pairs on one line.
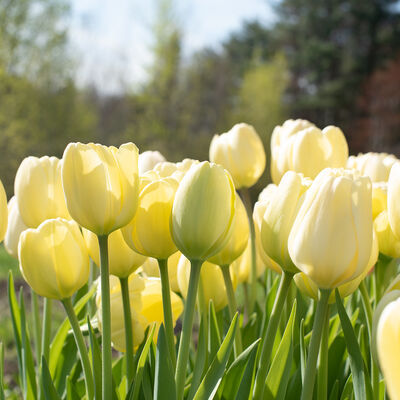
[[266, 193], [238, 240], [388, 346], [101, 185], [39, 192], [379, 198], [393, 201], [301, 147], [151, 269], [332, 235], [375, 165], [3, 212], [241, 152], [389, 244], [146, 308], [174, 170], [211, 282], [121, 258], [280, 212], [53, 258], [203, 211], [15, 227], [148, 160], [149, 231]]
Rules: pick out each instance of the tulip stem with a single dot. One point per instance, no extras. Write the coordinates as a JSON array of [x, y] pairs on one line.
[[46, 330], [232, 307], [188, 314], [36, 325], [105, 319], [92, 278], [253, 272], [166, 299], [322, 308], [128, 330], [322, 384], [268, 340], [80, 342]]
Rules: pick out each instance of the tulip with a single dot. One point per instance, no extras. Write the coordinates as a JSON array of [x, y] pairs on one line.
[[393, 203], [280, 213], [331, 237], [389, 244], [375, 165], [122, 259], [388, 346], [174, 170], [241, 152], [39, 192], [301, 147], [379, 198], [15, 227], [148, 160], [101, 185], [266, 193]]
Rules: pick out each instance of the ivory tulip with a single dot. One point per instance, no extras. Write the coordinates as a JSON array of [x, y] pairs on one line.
[[15, 227], [393, 203], [148, 160], [389, 244], [379, 198]]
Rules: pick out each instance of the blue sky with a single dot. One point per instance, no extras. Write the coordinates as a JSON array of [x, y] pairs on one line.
[[113, 37]]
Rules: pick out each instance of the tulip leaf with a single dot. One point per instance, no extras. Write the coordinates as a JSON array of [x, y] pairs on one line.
[[303, 352], [72, 394], [356, 360], [233, 377], [214, 336], [2, 395], [164, 380], [347, 393], [212, 378], [279, 373], [334, 393], [50, 392], [96, 360]]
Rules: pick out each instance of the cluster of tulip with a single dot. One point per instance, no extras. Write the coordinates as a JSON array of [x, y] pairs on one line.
[[170, 236]]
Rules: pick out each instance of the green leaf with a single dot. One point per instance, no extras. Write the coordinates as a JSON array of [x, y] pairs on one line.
[[212, 378], [279, 373], [303, 351], [347, 393], [164, 380], [214, 336], [96, 360], [353, 348], [2, 395], [335, 391], [50, 392], [72, 393]]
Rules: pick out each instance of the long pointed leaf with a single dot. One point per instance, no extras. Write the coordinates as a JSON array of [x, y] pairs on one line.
[[50, 392], [96, 360]]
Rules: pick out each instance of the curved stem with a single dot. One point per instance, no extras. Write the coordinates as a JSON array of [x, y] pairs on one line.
[[322, 307], [167, 309], [80, 342], [268, 340], [105, 319], [322, 386], [232, 306], [128, 330], [183, 353], [46, 330], [36, 325]]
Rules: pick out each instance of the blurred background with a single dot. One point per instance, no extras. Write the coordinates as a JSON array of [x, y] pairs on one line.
[[168, 74]]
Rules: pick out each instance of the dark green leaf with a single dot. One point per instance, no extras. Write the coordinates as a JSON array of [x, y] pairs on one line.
[[214, 337], [50, 392], [96, 360]]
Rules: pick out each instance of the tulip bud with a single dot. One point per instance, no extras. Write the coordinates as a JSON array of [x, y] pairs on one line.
[[238, 240], [241, 152], [54, 259], [393, 201], [302, 147], [122, 260], [331, 237], [389, 244], [3, 212], [15, 227], [280, 213], [148, 160], [39, 192], [174, 170], [375, 165], [379, 198], [212, 282], [149, 231], [101, 185], [203, 211]]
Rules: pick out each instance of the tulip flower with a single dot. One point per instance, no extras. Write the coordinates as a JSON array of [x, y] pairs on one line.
[[375, 165], [148, 160], [174, 170], [266, 193], [122, 259], [39, 192], [389, 244], [331, 237], [379, 198], [301, 147], [15, 227], [393, 203], [241, 152], [3, 212], [101, 185]]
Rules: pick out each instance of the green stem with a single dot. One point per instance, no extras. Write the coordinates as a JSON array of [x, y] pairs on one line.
[[128, 330], [167, 308], [268, 340], [232, 306], [322, 384], [80, 342], [322, 307], [36, 326], [46, 330], [183, 353], [253, 272], [105, 319], [92, 278]]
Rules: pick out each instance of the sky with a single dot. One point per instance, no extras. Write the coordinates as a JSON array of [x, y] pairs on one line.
[[113, 38]]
